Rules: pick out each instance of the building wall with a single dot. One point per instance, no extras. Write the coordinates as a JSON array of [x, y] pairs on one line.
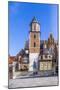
[[33, 57], [10, 72], [24, 66], [46, 65], [35, 40], [35, 27]]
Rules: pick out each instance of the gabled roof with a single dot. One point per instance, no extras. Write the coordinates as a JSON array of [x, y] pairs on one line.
[[21, 52]]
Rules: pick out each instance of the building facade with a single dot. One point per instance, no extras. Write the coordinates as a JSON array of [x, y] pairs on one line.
[[38, 55]]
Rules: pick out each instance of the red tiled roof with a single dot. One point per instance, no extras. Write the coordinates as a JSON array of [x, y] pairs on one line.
[[11, 59]]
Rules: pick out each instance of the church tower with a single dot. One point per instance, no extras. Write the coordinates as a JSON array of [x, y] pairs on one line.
[[34, 43]]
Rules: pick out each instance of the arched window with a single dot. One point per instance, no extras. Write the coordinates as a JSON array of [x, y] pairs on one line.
[[34, 36], [34, 44]]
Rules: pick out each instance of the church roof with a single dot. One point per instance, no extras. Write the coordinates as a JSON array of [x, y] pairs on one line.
[[42, 50], [21, 52], [46, 51], [34, 20]]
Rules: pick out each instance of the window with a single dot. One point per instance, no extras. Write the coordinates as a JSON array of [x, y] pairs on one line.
[[34, 36], [45, 56], [49, 65], [34, 44], [41, 57], [49, 56], [41, 66], [45, 65]]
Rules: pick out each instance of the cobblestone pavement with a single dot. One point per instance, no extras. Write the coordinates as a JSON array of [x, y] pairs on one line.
[[31, 82]]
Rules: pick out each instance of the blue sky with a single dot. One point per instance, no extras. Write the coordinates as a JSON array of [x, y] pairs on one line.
[[19, 18]]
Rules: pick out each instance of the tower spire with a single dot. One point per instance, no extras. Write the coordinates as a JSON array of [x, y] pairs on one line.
[[34, 25], [34, 43]]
